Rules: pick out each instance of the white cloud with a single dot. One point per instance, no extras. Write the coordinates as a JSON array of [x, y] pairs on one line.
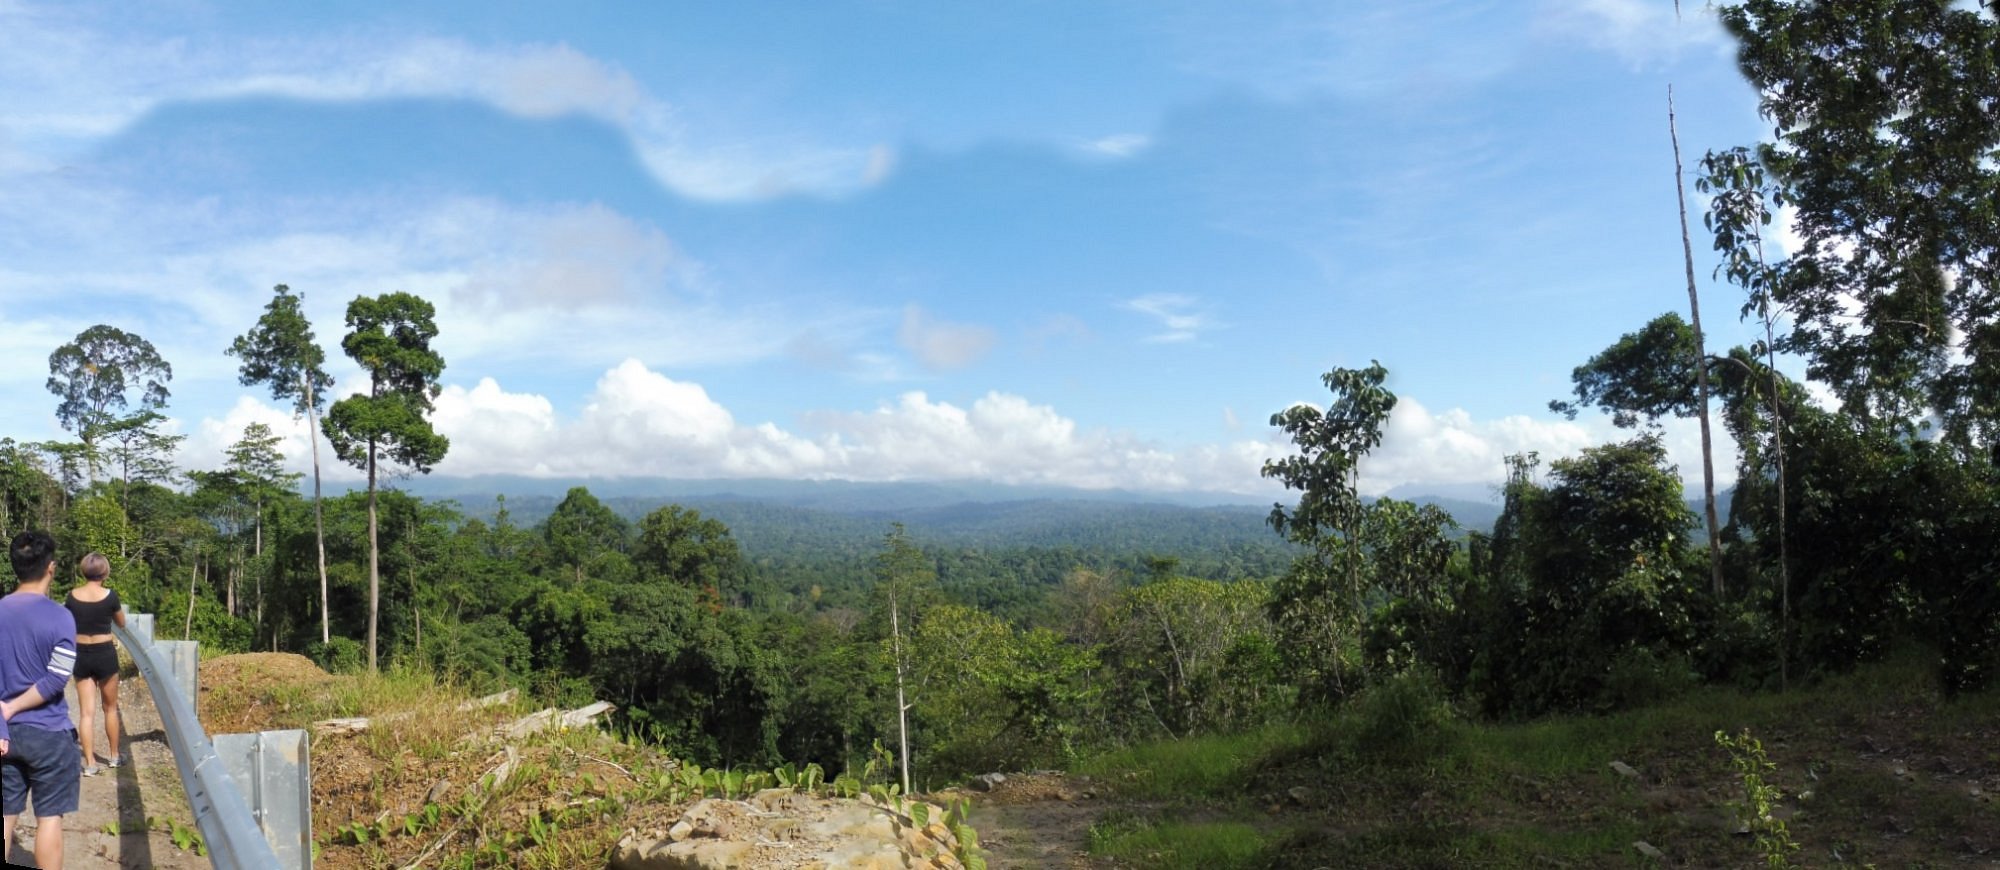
[[573, 257], [1119, 146], [1450, 448], [578, 285], [1400, 51], [1179, 316], [641, 423], [68, 83], [940, 345], [1641, 32]]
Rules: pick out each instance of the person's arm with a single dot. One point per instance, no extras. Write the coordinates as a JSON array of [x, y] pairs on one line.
[[62, 661], [117, 610]]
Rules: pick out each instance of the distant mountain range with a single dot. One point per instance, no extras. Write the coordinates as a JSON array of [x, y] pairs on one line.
[[845, 516], [834, 495], [966, 513]]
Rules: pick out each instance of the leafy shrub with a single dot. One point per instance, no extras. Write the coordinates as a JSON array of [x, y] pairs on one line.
[[1402, 720], [1639, 677], [338, 656]]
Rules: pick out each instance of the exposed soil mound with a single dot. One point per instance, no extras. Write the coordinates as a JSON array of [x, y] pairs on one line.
[[239, 692]]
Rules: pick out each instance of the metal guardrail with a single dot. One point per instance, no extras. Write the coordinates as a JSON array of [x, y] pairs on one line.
[[235, 842]]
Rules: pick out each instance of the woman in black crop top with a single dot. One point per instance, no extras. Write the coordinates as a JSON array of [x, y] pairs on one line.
[[95, 607]]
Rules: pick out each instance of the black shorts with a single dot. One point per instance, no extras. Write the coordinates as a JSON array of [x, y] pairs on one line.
[[96, 661]]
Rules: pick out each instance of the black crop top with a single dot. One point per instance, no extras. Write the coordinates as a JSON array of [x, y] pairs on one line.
[[93, 617]]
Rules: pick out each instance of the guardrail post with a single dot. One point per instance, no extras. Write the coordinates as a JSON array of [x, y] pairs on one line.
[[273, 771], [224, 817], [184, 660], [140, 625]]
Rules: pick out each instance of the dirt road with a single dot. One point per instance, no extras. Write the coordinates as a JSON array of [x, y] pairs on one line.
[[123, 800]]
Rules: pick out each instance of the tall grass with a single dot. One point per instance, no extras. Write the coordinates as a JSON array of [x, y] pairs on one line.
[[1181, 845], [1210, 766]]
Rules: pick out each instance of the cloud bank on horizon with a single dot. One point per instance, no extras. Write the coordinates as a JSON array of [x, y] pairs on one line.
[[641, 234], [638, 423]]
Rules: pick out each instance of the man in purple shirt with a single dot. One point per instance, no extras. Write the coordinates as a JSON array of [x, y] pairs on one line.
[[38, 751]]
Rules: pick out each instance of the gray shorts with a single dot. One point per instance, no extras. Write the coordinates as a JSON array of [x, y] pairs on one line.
[[44, 763]]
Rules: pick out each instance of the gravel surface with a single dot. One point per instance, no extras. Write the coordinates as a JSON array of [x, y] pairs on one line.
[[146, 787]]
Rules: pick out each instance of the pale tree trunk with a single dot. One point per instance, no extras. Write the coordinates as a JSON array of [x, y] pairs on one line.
[[1778, 446], [374, 562], [416, 606], [259, 589], [1700, 366], [902, 706], [194, 574], [319, 517]]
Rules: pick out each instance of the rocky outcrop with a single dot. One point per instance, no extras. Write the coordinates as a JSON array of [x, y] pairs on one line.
[[782, 828]]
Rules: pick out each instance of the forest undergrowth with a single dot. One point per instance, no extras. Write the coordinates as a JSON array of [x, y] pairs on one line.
[[1872, 768]]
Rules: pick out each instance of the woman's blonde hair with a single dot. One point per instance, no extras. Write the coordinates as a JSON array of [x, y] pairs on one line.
[[95, 567]]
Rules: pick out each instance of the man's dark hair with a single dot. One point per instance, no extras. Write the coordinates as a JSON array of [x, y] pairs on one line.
[[31, 552]]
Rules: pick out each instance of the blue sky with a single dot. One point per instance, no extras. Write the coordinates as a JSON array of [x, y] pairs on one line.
[[1081, 244]]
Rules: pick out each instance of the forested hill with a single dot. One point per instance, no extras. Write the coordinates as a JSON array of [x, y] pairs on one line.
[[982, 544], [836, 517], [998, 546]]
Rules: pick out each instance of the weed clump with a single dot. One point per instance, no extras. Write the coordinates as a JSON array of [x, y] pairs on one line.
[[1401, 721]]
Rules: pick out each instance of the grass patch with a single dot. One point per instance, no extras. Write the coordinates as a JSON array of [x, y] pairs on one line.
[[1871, 766], [1200, 767], [1180, 845]]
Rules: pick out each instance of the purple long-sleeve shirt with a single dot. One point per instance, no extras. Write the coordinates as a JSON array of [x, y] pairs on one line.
[[37, 649]]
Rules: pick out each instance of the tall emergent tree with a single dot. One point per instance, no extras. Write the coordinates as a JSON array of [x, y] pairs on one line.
[[1887, 150], [1700, 363], [280, 353], [905, 577], [95, 375], [1741, 206], [390, 337], [1315, 621], [258, 472]]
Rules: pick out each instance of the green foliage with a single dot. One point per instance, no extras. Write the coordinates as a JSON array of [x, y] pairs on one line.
[[389, 336], [1203, 766], [1331, 444], [1760, 799], [1404, 720], [1195, 656], [582, 530], [95, 374], [1580, 573], [993, 698], [341, 655], [1318, 605], [1178, 844], [1646, 375], [280, 353], [1884, 147], [679, 545]]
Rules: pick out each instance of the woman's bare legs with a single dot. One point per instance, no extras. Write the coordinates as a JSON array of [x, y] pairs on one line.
[[112, 727], [87, 694]]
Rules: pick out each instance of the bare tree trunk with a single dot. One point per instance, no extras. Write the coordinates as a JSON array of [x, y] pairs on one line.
[[416, 605], [902, 706], [374, 563], [1700, 364], [194, 573], [1778, 446], [319, 517]]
